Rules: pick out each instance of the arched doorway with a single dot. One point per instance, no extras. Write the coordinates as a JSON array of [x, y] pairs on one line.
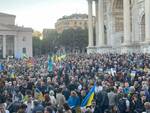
[[142, 26]]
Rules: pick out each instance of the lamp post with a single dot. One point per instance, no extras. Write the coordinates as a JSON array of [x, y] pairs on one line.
[[41, 38]]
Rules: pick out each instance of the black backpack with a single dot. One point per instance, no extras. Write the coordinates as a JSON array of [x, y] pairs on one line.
[[122, 106]]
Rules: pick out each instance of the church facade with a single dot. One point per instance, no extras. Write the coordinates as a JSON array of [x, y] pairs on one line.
[[14, 40], [122, 26]]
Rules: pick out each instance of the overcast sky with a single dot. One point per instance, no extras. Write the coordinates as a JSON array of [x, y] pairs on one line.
[[40, 14]]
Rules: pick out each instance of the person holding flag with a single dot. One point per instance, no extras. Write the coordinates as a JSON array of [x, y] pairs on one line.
[[38, 94], [87, 101]]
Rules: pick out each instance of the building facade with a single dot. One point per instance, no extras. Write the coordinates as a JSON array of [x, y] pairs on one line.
[[73, 21], [14, 40], [122, 26]]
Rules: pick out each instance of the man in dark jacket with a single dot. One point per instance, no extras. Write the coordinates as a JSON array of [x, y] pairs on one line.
[[102, 102]]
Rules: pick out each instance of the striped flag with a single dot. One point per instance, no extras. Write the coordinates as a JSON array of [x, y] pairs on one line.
[[38, 94], [50, 64], [87, 101]]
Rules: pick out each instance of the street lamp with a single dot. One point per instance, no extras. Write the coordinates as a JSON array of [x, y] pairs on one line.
[[41, 38]]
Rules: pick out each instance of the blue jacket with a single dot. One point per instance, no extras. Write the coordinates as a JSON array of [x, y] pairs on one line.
[[73, 101]]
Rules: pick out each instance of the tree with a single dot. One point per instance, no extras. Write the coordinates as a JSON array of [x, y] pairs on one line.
[[36, 47], [73, 39], [49, 43]]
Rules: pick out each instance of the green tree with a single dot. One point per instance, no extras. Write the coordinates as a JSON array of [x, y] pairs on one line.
[[74, 39], [36, 47], [50, 42], [71, 39]]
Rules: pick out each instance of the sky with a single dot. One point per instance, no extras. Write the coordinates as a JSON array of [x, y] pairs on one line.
[[40, 14]]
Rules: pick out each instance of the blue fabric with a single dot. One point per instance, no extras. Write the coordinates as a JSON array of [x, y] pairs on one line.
[[37, 108], [50, 65], [1, 67], [73, 101], [85, 100], [126, 90]]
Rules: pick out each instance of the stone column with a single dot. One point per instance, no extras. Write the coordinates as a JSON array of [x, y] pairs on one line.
[[96, 24], [90, 23], [15, 46], [127, 24], [101, 22], [4, 46], [147, 20]]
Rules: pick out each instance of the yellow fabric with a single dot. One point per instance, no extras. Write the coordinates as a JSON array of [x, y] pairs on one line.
[[90, 100], [13, 75], [39, 96]]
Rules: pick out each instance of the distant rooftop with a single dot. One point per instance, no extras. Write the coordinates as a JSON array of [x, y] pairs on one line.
[[5, 14], [75, 16]]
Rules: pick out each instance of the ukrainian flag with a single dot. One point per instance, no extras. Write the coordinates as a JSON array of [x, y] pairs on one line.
[[55, 58], [87, 101], [38, 95], [12, 74], [50, 64]]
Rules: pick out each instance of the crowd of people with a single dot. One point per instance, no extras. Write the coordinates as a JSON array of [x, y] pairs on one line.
[[122, 84]]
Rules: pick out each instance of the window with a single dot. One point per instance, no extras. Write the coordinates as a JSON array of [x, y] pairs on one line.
[[75, 23], [24, 39], [24, 50]]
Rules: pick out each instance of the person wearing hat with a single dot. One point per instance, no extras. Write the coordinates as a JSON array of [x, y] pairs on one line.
[[52, 98]]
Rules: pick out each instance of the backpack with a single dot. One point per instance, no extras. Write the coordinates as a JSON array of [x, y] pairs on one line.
[[122, 106]]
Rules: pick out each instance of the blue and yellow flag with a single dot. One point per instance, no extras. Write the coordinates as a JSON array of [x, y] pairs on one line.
[[12, 74], [50, 64], [87, 101], [38, 95]]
